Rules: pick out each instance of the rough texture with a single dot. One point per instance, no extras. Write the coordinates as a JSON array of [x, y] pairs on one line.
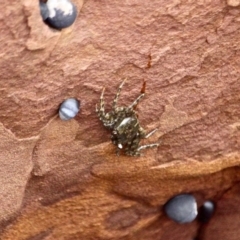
[[62, 179]]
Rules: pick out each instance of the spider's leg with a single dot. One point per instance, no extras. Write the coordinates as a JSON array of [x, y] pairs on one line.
[[151, 133], [136, 101], [132, 147], [117, 94], [148, 146], [101, 110], [144, 135], [134, 154]]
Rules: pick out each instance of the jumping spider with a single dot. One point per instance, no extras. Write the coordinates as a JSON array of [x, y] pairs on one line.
[[124, 125]]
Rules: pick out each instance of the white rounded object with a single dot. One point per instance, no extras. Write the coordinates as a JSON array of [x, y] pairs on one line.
[[182, 208], [69, 109]]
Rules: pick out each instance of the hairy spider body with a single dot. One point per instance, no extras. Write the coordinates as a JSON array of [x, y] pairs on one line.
[[124, 125]]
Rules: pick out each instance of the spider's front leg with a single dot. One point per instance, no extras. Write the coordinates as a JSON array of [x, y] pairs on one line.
[[101, 110], [114, 105], [137, 100]]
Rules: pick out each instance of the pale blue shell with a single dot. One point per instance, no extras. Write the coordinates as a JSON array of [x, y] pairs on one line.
[[58, 14], [182, 208], [69, 109]]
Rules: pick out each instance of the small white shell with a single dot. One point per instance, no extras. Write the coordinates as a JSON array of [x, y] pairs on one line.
[[62, 13], [182, 208], [69, 109]]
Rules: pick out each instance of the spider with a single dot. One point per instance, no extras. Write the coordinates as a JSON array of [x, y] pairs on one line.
[[124, 125]]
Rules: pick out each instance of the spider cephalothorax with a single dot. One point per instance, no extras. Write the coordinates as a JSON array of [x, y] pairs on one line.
[[124, 125]]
